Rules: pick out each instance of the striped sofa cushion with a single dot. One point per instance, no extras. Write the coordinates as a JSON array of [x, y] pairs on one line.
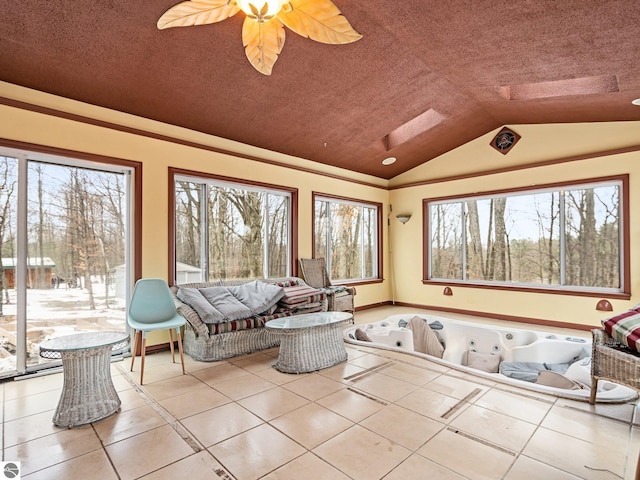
[[244, 324], [625, 328], [296, 295]]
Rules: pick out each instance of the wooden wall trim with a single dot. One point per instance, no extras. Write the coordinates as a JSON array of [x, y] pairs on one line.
[[167, 138], [122, 128], [528, 166]]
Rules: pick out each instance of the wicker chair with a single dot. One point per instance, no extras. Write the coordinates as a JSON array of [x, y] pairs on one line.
[[612, 361], [314, 273]]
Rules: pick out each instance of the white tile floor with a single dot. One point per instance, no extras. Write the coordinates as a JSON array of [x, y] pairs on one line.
[[241, 419]]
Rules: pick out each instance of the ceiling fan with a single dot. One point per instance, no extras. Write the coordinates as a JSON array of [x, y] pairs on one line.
[[263, 32]]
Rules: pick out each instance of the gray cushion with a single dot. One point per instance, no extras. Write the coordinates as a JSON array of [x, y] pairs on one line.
[[259, 297], [222, 300], [195, 299], [528, 371]]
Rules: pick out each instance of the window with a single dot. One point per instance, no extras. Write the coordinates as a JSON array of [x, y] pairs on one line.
[[568, 237], [66, 264], [347, 235], [225, 229]]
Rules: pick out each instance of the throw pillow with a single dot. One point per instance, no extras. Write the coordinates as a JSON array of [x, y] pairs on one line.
[[424, 338], [361, 336], [195, 299], [485, 362], [625, 328]]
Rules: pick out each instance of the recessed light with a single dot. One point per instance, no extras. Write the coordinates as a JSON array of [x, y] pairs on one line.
[[389, 161], [636, 101]]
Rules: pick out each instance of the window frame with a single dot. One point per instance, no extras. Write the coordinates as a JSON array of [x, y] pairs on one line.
[[624, 292], [26, 152], [178, 173], [378, 278]]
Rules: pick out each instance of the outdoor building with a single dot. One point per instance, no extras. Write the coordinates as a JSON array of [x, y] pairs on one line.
[[40, 272]]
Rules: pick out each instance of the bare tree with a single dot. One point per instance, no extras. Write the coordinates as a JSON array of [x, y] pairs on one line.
[[188, 208], [39, 268], [7, 188], [475, 253], [500, 240], [249, 205]]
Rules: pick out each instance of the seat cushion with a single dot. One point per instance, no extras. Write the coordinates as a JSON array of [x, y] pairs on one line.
[[487, 362], [297, 295], [257, 321], [625, 328]]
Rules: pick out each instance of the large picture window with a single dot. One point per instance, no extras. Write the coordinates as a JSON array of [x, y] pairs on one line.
[[225, 229], [567, 237], [347, 235]]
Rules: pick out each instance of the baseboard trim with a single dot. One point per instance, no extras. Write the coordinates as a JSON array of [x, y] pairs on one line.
[[373, 305]]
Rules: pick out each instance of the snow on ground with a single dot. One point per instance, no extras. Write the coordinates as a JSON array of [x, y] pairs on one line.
[[55, 312]]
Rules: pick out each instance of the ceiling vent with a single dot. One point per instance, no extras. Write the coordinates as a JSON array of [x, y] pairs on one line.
[[505, 140]]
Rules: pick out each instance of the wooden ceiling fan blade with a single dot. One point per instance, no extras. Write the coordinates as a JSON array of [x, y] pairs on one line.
[[263, 42], [319, 20], [197, 12]]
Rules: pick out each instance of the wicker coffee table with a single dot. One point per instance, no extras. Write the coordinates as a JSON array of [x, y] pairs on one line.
[[310, 341], [88, 393]]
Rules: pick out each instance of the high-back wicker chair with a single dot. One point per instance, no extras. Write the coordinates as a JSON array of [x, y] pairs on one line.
[[314, 272], [612, 361]]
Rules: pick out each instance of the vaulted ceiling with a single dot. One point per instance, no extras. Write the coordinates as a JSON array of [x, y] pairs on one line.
[[426, 77]]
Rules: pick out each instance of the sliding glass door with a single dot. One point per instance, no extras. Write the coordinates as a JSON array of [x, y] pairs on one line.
[[64, 230]]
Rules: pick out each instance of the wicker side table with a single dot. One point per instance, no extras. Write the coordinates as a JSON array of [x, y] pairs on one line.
[[311, 341], [88, 393]]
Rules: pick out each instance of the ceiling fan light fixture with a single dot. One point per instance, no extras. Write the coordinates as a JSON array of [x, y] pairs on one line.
[[261, 9], [263, 31]]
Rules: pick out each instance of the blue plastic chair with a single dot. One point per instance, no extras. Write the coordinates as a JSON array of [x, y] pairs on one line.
[[152, 308]]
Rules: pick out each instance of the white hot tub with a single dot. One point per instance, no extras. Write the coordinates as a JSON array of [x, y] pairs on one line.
[[517, 349]]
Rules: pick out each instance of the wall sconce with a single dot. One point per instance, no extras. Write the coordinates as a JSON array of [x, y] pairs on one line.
[[403, 217], [604, 306], [447, 291]]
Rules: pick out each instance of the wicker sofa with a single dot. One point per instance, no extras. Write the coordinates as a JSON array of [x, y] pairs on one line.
[[215, 341]]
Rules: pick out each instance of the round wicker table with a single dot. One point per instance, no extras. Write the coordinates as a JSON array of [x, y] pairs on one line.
[[88, 393], [310, 341]]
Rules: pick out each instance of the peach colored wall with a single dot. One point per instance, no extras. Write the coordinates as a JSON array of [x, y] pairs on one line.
[[405, 240], [158, 155]]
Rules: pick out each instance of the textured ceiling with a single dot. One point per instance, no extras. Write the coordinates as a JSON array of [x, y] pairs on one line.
[[427, 76]]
